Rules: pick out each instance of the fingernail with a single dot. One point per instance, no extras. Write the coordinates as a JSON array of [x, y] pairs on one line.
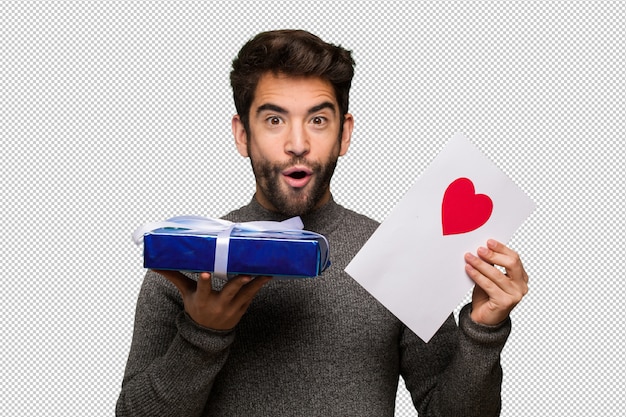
[[483, 251]]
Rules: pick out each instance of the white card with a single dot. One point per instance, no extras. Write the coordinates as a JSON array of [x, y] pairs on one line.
[[414, 262]]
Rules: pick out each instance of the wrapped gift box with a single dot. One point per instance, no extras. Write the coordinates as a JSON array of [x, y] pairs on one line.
[[287, 253]]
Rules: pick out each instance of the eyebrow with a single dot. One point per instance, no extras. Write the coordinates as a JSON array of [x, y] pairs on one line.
[[322, 106], [271, 107], [278, 109]]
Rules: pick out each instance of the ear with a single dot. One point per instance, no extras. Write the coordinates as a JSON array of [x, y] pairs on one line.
[[241, 137], [346, 135]]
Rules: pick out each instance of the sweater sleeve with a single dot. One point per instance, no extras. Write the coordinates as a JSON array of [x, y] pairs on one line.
[[458, 372], [172, 361]]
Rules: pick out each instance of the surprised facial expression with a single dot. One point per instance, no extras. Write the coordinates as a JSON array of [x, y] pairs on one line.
[[294, 141]]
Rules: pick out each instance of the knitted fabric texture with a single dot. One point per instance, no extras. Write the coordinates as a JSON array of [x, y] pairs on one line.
[[306, 347]]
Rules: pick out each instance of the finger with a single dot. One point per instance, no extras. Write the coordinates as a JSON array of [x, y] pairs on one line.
[[184, 284], [250, 290], [509, 262], [498, 291], [498, 254], [205, 286], [487, 270], [488, 286], [233, 286], [489, 277], [497, 246], [501, 249]]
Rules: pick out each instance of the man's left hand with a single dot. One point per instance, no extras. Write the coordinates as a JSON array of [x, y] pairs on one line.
[[496, 293]]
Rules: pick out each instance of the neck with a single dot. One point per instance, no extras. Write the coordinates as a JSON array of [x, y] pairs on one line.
[[264, 202], [320, 220]]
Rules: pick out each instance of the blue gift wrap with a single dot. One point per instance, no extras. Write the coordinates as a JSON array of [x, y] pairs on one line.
[[280, 253]]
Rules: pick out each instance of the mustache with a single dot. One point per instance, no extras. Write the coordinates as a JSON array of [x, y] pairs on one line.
[[314, 166]]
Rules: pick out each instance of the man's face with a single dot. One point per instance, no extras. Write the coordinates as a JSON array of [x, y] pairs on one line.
[[294, 141]]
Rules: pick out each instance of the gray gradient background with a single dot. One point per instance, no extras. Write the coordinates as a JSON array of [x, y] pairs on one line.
[[118, 113]]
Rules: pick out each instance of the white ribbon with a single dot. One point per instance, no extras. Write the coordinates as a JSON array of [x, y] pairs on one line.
[[221, 228]]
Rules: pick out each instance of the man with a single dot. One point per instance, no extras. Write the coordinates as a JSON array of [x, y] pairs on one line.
[[308, 347]]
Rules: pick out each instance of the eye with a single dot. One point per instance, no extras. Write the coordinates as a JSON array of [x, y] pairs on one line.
[[273, 120], [318, 120]]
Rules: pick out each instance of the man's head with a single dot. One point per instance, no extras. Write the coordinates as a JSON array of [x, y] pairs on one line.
[[295, 53], [291, 93]]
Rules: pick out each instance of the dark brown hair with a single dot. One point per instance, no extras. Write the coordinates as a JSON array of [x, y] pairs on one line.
[[294, 53]]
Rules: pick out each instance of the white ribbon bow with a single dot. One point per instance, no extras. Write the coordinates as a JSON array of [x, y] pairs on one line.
[[221, 228]]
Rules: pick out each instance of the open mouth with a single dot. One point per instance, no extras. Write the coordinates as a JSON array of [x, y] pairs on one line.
[[297, 176]]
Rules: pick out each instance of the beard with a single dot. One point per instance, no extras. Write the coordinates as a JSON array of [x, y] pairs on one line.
[[293, 201]]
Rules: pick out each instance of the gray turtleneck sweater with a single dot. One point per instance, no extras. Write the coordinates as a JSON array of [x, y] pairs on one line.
[[306, 347]]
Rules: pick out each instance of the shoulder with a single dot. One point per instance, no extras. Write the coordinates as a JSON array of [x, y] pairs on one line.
[[352, 218], [235, 215]]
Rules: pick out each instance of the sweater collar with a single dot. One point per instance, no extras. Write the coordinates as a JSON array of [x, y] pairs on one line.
[[322, 220]]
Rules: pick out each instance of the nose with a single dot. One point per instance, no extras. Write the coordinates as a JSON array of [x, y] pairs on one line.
[[298, 143]]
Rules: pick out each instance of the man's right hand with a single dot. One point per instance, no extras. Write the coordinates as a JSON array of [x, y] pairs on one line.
[[217, 310]]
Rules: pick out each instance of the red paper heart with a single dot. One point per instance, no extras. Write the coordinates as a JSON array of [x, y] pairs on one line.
[[462, 210]]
